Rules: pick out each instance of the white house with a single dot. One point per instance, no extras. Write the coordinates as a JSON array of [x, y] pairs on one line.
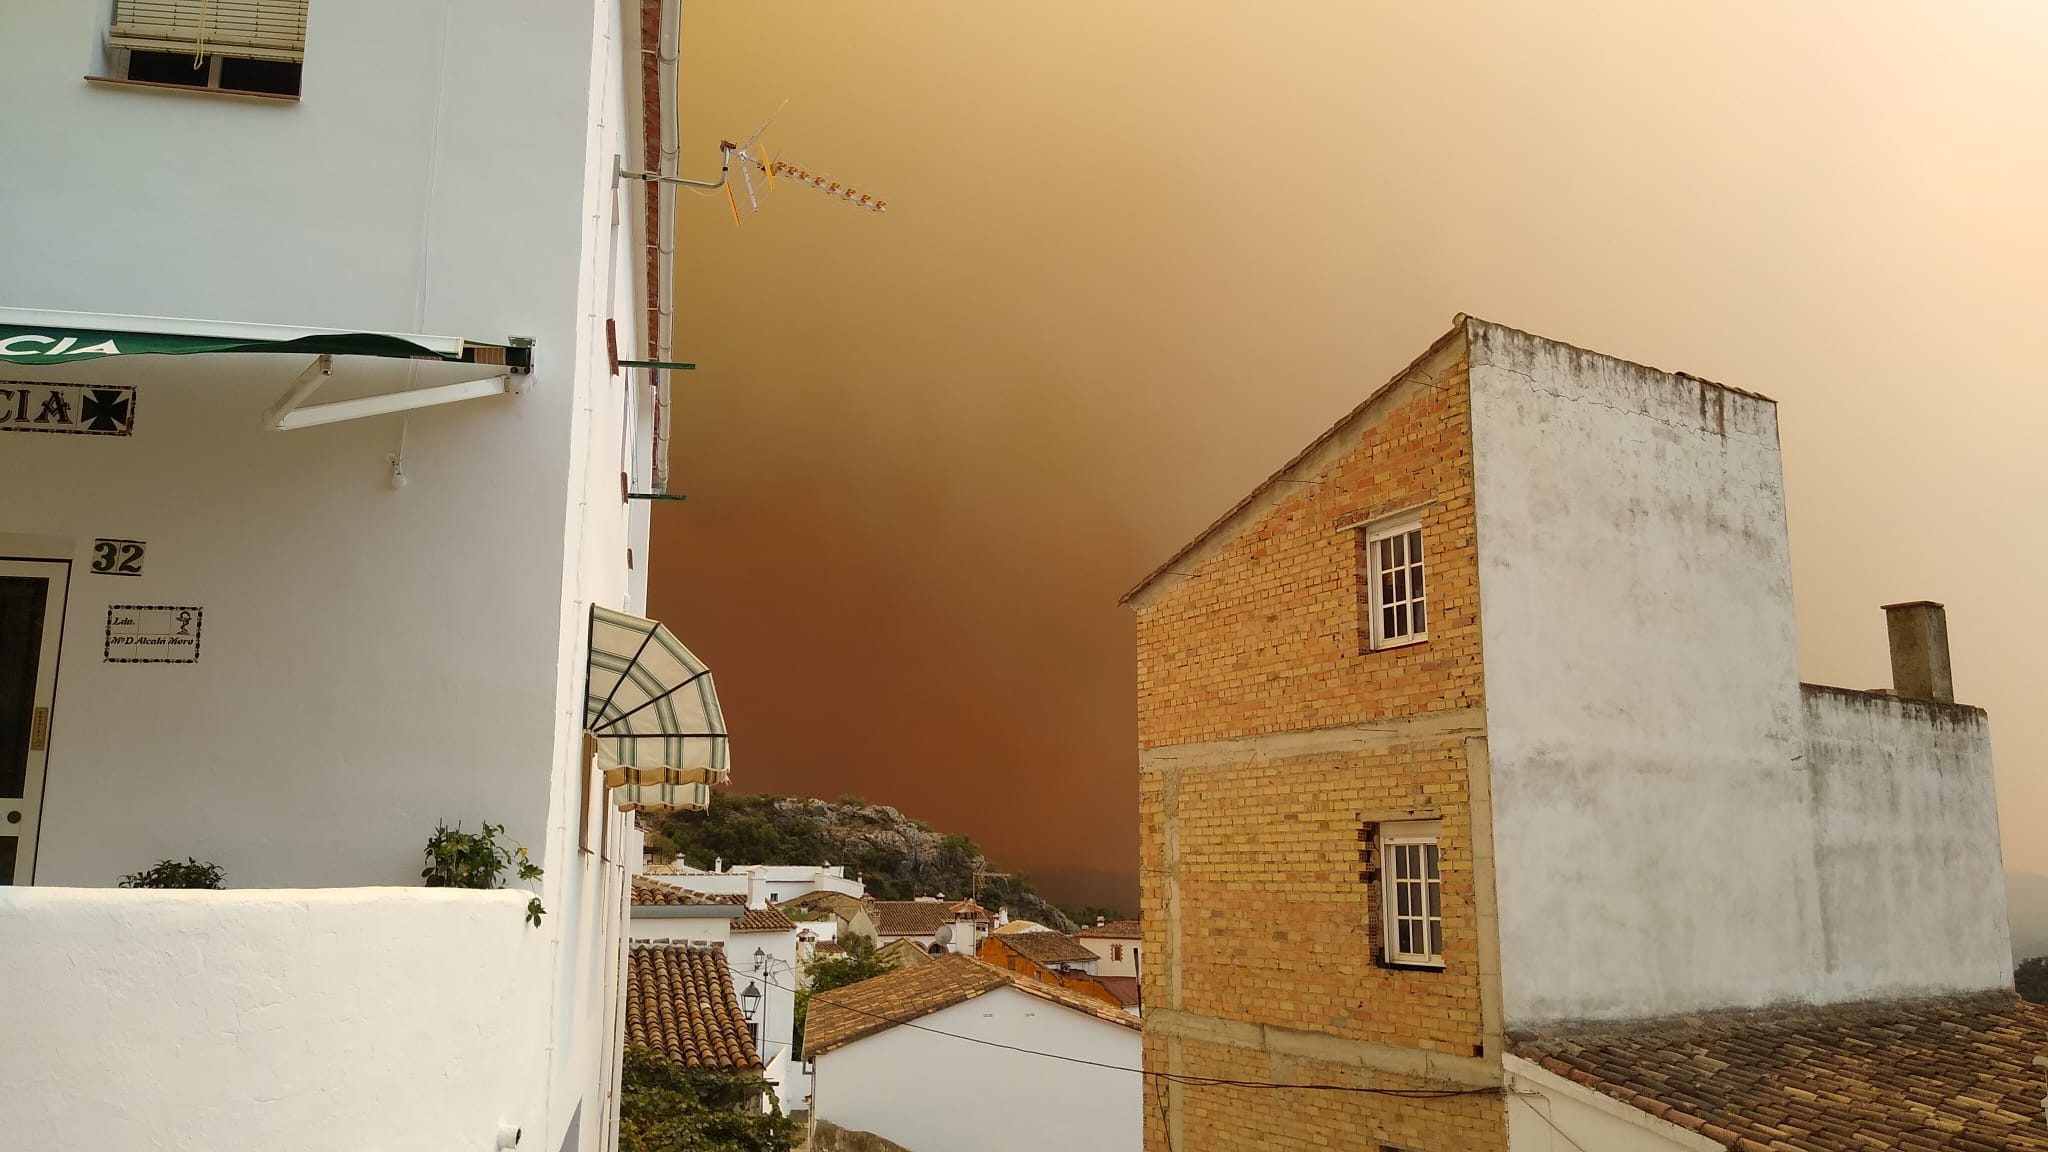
[[991, 1061], [1116, 944], [932, 922], [324, 386], [762, 883]]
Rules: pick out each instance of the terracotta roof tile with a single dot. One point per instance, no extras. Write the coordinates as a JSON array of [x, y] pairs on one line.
[[1952, 1073], [909, 917], [680, 1002], [768, 919], [839, 1017], [1124, 988], [654, 892], [1114, 930], [825, 902], [1048, 948]]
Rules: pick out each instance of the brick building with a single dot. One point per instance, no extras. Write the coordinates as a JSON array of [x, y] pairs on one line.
[[1480, 721]]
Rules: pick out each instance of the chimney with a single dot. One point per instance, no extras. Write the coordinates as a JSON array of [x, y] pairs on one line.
[[1919, 638]]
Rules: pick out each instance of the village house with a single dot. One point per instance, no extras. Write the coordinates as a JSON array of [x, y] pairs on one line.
[[842, 914], [765, 947], [762, 883], [681, 1005], [1053, 958], [960, 1054], [332, 343], [932, 923], [1116, 944], [1475, 765]]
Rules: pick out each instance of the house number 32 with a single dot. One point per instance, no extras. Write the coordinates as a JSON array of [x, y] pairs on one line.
[[117, 557]]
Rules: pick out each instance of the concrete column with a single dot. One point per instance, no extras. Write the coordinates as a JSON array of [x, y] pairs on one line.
[[1919, 641]]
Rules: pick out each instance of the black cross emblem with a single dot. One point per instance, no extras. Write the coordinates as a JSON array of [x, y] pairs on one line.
[[105, 410]]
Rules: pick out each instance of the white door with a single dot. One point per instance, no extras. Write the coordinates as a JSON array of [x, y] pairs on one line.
[[31, 624]]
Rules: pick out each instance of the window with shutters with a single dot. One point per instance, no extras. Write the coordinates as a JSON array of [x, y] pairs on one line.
[[1391, 570], [250, 46]]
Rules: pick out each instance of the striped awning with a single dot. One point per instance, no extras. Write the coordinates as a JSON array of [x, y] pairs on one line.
[[652, 715]]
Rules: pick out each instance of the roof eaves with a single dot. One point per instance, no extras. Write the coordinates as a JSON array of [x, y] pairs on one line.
[[1457, 330]]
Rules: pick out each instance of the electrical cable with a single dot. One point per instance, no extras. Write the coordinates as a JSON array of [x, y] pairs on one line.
[[1169, 1077]]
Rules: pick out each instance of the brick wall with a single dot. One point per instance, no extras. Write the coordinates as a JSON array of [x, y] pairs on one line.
[[1251, 672]]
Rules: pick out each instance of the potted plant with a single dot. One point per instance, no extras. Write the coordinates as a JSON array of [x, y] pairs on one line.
[[458, 859]]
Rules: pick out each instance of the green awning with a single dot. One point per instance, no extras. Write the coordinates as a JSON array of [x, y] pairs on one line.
[[45, 337]]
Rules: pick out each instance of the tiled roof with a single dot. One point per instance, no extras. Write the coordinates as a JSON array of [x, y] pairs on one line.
[[903, 953], [679, 1002], [654, 892], [843, 1015], [766, 919], [1049, 948], [909, 917], [1953, 1073], [1114, 930], [834, 903], [1124, 988]]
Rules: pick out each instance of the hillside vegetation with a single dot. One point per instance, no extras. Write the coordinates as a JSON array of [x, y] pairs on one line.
[[896, 856]]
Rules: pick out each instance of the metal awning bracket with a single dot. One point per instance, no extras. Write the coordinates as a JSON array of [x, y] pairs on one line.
[[316, 374]]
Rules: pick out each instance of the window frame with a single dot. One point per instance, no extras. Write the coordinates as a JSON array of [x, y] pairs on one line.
[[1407, 528], [1393, 838]]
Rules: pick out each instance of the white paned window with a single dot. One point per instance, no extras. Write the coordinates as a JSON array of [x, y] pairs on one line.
[[1413, 894], [252, 46], [1393, 571]]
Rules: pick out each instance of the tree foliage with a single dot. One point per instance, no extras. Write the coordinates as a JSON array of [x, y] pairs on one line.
[[663, 1108], [857, 960], [897, 857], [2031, 979]]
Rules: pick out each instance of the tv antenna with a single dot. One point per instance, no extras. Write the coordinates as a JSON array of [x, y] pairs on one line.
[[749, 162]]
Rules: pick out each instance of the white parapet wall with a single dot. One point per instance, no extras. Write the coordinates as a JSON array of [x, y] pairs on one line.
[[309, 1019]]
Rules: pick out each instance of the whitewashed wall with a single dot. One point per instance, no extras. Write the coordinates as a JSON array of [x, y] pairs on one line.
[[1652, 843], [1665, 840], [778, 982], [1912, 892], [373, 660], [335, 1019], [926, 1091]]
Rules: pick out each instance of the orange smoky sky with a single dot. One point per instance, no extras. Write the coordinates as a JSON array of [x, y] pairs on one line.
[[1137, 254]]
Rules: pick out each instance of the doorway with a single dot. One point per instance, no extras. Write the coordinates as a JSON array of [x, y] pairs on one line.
[[31, 627]]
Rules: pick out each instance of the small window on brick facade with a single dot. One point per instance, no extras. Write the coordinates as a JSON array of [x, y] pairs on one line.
[[1411, 893], [248, 46], [1395, 606]]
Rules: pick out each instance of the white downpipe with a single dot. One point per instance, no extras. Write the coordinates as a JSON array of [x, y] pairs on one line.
[[669, 80], [392, 402]]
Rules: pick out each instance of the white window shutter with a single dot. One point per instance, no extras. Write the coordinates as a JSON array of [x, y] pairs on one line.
[[252, 29]]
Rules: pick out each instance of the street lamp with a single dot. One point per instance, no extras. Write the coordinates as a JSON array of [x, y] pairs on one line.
[[760, 959], [750, 1002]]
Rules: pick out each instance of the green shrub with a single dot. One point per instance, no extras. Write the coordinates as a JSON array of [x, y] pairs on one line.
[[458, 859], [171, 874]]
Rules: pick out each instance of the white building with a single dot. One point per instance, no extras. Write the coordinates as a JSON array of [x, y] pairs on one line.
[[1615, 862], [1116, 944], [995, 1061], [932, 923], [318, 565], [762, 883]]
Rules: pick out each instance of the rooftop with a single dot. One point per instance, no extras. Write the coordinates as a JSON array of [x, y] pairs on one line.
[[1124, 988], [909, 917], [1048, 947], [844, 1015], [680, 1002], [1951, 1073], [824, 902], [768, 919], [654, 893], [1113, 930]]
